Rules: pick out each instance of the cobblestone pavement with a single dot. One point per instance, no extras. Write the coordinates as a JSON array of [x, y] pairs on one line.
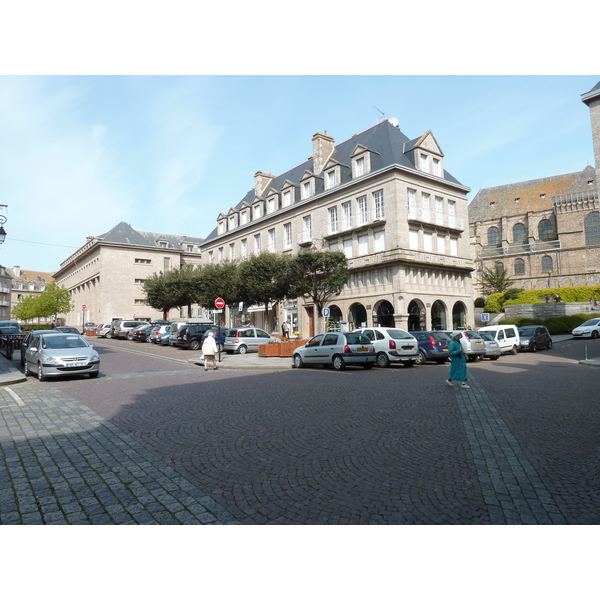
[[60, 463], [310, 446]]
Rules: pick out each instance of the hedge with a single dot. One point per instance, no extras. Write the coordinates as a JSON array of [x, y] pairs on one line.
[[496, 302]]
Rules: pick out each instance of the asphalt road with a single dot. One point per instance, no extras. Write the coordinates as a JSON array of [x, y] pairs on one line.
[[389, 446]]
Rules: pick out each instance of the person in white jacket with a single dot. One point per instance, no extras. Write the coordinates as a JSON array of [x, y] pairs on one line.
[[209, 350]]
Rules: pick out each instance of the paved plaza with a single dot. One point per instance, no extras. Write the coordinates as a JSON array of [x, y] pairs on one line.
[[255, 458]]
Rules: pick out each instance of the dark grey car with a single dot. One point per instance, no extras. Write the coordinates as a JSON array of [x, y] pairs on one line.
[[534, 338]]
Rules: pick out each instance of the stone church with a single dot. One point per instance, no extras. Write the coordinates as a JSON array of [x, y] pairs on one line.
[[544, 232]]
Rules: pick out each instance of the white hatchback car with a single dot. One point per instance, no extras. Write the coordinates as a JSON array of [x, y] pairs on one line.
[[392, 345], [590, 328]]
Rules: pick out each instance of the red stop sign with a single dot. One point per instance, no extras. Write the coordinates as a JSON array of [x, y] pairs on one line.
[[219, 303]]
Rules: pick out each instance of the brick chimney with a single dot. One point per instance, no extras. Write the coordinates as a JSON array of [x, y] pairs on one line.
[[261, 181], [323, 147]]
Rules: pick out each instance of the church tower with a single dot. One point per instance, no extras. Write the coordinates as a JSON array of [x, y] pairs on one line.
[[592, 99]]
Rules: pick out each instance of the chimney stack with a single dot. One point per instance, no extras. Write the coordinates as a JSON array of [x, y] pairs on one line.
[[323, 147], [261, 181]]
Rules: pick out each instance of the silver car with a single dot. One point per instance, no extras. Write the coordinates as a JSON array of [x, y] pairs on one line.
[[392, 345], [336, 349], [492, 347], [246, 339], [57, 354]]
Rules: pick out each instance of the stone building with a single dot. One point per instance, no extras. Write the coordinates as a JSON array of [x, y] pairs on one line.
[[389, 204], [544, 232], [27, 283], [5, 293], [106, 274]]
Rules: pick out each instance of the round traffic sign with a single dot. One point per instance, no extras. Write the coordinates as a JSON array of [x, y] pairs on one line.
[[83, 306], [219, 303]]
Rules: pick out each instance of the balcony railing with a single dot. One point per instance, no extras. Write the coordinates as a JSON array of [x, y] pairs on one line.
[[436, 218], [305, 238], [511, 249], [362, 219]]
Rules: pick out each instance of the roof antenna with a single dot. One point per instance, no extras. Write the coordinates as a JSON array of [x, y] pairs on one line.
[[382, 116]]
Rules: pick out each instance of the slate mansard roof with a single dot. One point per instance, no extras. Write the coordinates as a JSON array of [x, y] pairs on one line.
[[387, 144], [123, 233]]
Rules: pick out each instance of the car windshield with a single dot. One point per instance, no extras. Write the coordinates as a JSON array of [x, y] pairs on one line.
[[590, 323], [526, 331], [356, 338], [487, 337], [397, 334], [9, 330], [471, 335], [54, 342]]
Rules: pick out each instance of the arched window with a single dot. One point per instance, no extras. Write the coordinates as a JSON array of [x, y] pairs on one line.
[[546, 264], [591, 227], [493, 235], [519, 234], [545, 230], [519, 266]]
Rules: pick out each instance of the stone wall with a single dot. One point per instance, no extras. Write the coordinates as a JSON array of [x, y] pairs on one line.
[[552, 309]]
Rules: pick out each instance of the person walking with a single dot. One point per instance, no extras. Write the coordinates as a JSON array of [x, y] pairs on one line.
[[458, 362], [209, 350], [285, 329]]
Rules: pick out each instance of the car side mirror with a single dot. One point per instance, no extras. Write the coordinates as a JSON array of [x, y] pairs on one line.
[[33, 349]]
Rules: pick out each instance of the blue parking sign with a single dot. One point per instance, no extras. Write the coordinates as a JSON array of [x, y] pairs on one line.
[[326, 312]]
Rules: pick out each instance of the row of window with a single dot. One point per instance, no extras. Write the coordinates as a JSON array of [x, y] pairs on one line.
[[430, 242], [519, 265], [436, 278], [188, 248], [519, 233], [438, 212]]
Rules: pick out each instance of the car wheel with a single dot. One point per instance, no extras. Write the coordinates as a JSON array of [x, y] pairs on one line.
[[422, 358], [550, 345], [194, 345], [94, 375], [338, 363], [26, 370], [534, 347], [242, 349], [129, 336], [297, 361], [513, 350], [383, 360], [40, 372], [409, 363], [108, 336], [595, 334]]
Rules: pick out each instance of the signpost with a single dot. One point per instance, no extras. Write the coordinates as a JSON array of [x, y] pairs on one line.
[[219, 305], [485, 317]]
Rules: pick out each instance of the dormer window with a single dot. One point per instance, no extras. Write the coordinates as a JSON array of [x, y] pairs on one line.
[[163, 244], [271, 205], [424, 162], [437, 167], [244, 217], [359, 167], [306, 192], [330, 180], [190, 248]]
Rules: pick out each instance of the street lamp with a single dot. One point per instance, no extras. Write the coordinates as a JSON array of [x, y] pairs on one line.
[[2, 221]]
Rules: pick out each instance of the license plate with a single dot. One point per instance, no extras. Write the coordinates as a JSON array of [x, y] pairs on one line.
[[407, 348], [478, 343], [76, 364], [444, 349], [363, 349]]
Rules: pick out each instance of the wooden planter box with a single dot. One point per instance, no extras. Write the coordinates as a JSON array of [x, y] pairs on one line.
[[285, 349]]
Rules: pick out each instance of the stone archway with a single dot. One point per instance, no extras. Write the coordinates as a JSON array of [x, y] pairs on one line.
[[335, 318], [357, 316], [384, 316], [416, 316], [459, 316], [439, 316]]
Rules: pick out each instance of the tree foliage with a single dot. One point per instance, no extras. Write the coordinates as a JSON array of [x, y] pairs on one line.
[[218, 280], [54, 300], [495, 279]]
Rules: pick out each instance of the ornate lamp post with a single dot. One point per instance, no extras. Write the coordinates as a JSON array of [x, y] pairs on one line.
[[2, 221]]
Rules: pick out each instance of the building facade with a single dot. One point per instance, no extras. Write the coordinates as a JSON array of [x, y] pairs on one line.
[[545, 232], [27, 283], [5, 293], [388, 203], [105, 276]]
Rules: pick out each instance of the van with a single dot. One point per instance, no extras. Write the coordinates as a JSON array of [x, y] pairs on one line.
[[175, 328], [507, 337]]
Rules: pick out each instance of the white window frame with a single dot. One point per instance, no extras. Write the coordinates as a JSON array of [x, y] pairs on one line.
[[244, 251], [425, 200], [441, 244], [333, 220], [363, 213], [437, 167], [413, 239], [411, 196], [363, 245], [330, 180], [424, 162], [287, 198], [453, 246], [379, 204], [272, 246], [451, 213], [287, 235], [427, 242], [348, 246], [347, 215], [379, 241], [360, 166], [306, 192], [257, 243], [307, 233]]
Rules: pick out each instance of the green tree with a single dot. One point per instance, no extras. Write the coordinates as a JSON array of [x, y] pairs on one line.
[[54, 300], [219, 280], [319, 276], [159, 295], [25, 309], [263, 279], [184, 284], [495, 279]]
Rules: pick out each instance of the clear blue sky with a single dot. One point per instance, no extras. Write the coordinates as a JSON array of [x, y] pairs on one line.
[[168, 153]]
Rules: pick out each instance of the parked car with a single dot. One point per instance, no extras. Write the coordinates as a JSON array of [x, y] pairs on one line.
[[56, 354], [88, 327], [121, 329], [246, 339], [507, 336], [590, 329], [433, 346], [64, 329], [141, 334], [28, 340], [492, 347], [534, 338], [191, 335], [392, 345], [164, 339], [9, 327], [103, 330], [175, 327], [472, 344], [158, 333], [336, 349]]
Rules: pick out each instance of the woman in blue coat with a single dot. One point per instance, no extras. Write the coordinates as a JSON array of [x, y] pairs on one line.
[[458, 362]]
